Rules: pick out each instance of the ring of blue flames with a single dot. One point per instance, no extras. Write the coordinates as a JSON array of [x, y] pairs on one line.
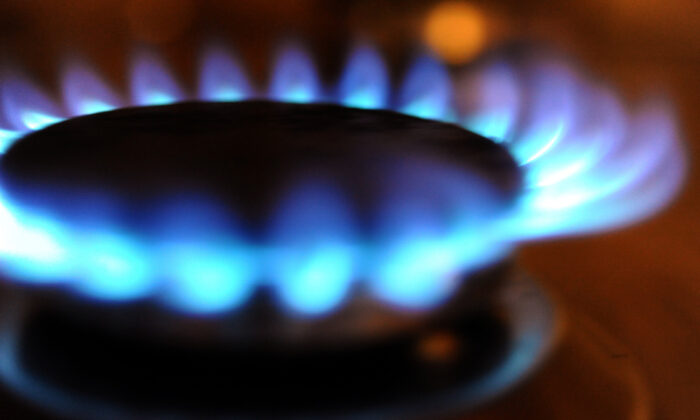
[[589, 165]]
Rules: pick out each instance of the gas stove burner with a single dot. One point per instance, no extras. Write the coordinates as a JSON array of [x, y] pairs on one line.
[[311, 186], [270, 236], [305, 199]]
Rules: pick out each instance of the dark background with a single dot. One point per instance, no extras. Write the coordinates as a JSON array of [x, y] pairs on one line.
[[642, 284]]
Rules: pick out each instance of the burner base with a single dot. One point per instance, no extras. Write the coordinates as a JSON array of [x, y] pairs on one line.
[[77, 370]]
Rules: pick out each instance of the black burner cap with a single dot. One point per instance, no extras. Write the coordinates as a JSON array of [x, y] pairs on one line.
[[244, 154]]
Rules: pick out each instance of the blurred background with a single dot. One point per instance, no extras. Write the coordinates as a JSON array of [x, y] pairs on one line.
[[641, 285]]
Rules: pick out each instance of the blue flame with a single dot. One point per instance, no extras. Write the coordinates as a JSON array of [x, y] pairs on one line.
[[34, 120], [152, 83], [418, 273], [85, 92], [550, 112], [114, 268], [314, 261], [208, 280], [427, 90], [490, 99], [25, 106], [34, 248], [431, 233], [8, 138], [222, 78], [314, 280], [589, 164], [599, 130], [294, 77], [208, 269], [365, 81], [634, 179]]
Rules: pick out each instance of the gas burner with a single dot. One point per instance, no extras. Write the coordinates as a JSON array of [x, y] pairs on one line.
[[306, 235]]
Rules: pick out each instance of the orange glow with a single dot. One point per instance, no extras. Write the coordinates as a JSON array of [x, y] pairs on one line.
[[455, 31], [440, 347]]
